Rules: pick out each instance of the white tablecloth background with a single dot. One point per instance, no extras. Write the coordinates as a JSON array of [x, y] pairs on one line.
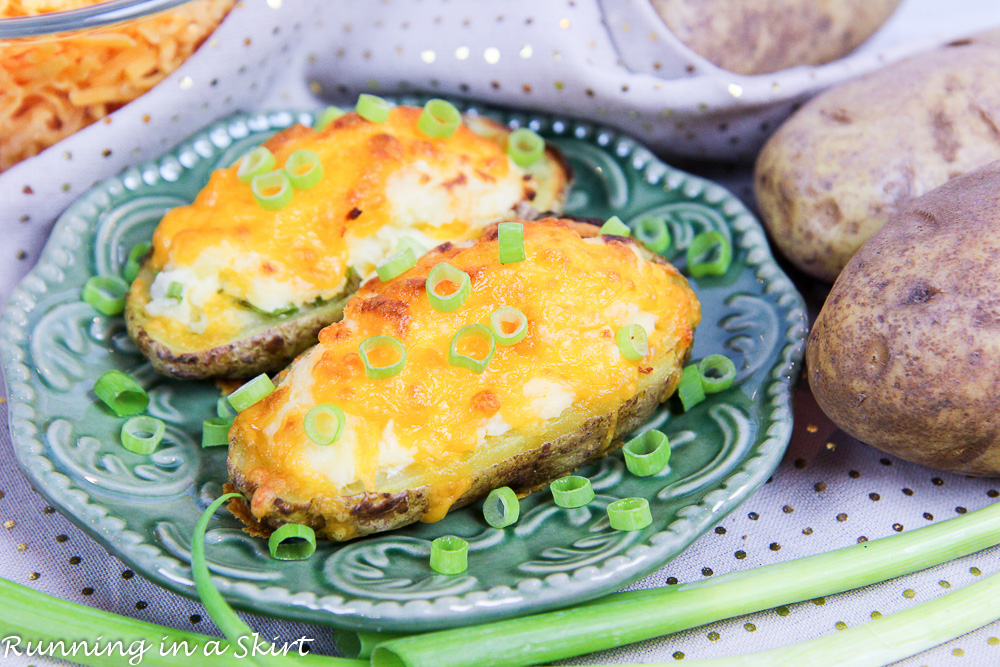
[[278, 54]]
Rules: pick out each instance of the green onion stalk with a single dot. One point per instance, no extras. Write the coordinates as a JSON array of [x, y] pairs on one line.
[[886, 640], [633, 616], [30, 616]]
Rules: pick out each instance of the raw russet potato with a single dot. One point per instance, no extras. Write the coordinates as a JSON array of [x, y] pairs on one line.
[[760, 36], [904, 353], [833, 173]]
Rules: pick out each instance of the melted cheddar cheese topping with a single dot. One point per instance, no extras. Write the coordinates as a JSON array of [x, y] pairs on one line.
[[425, 422], [382, 183]]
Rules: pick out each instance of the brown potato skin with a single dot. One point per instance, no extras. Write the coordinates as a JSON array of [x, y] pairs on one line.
[[903, 354], [346, 517], [760, 36], [265, 351], [833, 173]]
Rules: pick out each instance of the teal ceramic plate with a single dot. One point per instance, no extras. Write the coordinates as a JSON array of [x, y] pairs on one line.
[[143, 508]]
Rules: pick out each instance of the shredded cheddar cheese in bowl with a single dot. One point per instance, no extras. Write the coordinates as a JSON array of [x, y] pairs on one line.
[[53, 85]]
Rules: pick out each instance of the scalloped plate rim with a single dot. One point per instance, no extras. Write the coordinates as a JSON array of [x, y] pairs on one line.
[[145, 555]]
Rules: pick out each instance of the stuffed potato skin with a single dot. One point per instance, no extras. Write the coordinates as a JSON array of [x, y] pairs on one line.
[[259, 284], [591, 396]]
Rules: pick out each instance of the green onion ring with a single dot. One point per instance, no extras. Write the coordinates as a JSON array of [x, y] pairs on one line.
[[134, 262], [449, 555], [446, 272], [690, 388], [632, 341], [647, 453], [467, 361], [709, 254], [175, 290], [525, 147], [379, 372], [142, 434], [629, 514], [653, 233], [304, 169], [501, 508], [224, 409], [106, 294], [397, 264], [302, 546], [327, 116], [215, 432], [253, 391], [440, 119], [510, 241], [273, 190], [318, 432], [508, 315], [373, 108], [615, 227], [258, 161], [717, 373], [121, 393], [572, 491]]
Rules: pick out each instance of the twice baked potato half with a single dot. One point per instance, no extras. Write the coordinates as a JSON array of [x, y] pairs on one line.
[[438, 435], [231, 289]]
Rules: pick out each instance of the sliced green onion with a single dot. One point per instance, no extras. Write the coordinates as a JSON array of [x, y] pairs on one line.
[[379, 372], [273, 190], [629, 514], [632, 341], [175, 290], [615, 227], [647, 453], [468, 361], [121, 393], [327, 116], [215, 432], [442, 273], [501, 508], [142, 434], [134, 262], [292, 541], [106, 294], [690, 389], [653, 233], [440, 119], [572, 491], [510, 240], [360, 643], [373, 108], [258, 161], [253, 391], [624, 618], [709, 255], [510, 318], [317, 423], [525, 147], [224, 409], [449, 555], [397, 264], [717, 373], [277, 312], [304, 169]]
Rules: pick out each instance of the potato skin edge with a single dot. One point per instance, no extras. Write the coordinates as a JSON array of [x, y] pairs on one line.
[[347, 517]]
